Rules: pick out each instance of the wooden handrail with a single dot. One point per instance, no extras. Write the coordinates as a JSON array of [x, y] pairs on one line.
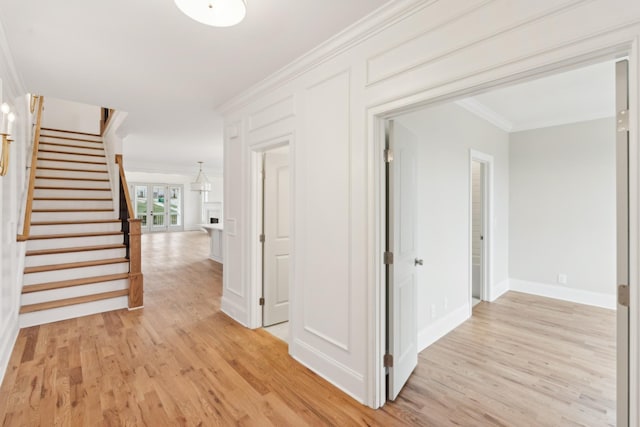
[[131, 227], [123, 182], [105, 117], [26, 227]]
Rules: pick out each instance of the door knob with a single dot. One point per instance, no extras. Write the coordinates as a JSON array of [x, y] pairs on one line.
[[417, 262]]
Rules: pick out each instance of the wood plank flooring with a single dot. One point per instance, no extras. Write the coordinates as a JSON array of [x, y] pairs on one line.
[[179, 361]]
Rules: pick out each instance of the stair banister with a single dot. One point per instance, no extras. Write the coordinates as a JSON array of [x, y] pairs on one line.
[[26, 226], [132, 232]]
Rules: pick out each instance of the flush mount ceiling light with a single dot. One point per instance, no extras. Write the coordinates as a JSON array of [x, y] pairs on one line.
[[217, 13]]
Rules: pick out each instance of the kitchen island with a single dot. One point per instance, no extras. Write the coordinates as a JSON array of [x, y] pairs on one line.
[[215, 241]]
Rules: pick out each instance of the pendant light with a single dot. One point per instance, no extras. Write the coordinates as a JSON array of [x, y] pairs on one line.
[[217, 13], [201, 183]]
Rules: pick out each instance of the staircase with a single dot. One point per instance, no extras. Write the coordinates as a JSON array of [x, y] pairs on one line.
[[76, 260]]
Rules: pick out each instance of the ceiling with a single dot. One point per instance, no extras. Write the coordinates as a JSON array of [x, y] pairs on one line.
[[168, 72], [582, 94]]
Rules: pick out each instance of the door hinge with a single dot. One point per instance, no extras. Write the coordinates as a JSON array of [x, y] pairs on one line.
[[262, 238], [623, 295], [388, 258], [261, 301], [388, 155], [622, 121], [388, 360]]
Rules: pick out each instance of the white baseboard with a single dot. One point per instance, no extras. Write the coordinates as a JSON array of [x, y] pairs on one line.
[[7, 342], [341, 376], [498, 290], [235, 311], [442, 327], [563, 293]]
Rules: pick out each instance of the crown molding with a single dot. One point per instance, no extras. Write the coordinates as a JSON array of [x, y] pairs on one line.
[[476, 107], [13, 82], [377, 21]]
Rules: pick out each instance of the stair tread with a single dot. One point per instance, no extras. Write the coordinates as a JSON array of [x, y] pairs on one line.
[[68, 178], [70, 131], [47, 187], [75, 249], [72, 235], [72, 301], [41, 150], [71, 161], [69, 139], [75, 198], [61, 144], [87, 221], [27, 289], [77, 264], [71, 210]]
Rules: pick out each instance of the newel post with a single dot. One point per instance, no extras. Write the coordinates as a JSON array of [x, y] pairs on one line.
[[135, 264]]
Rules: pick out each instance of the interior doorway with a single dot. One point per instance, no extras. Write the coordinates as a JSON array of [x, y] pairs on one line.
[[469, 235], [275, 239]]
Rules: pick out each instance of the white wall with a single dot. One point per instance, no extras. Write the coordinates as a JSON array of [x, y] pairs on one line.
[[192, 203], [446, 134], [324, 104], [563, 209], [69, 115], [12, 190]]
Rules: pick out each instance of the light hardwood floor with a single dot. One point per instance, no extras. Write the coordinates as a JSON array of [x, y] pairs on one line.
[[520, 361]]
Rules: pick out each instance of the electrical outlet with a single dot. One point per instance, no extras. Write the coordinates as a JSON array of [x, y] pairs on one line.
[[433, 311], [562, 278]]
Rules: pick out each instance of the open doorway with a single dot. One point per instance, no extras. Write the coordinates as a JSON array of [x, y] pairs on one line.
[[275, 240], [550, 182]]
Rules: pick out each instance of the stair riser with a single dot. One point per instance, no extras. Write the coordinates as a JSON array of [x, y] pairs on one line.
[[64, 140], [73, 291], [70, 312], [72, 184], [74, 273], [39, 230], [72, 204], [73, 174], [70, 193], [69, 156], [74, 150], [69, 134], [70, 242], [71, 165], [63, 258], [71, 216]]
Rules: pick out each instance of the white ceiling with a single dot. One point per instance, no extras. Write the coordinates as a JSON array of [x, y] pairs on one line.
[[169, 72], [582, 94]]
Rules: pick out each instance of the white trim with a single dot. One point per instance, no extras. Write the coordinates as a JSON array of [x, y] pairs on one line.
[[499, 289], [605, 44], [487, 226], [563, 293], [441, 327], [233, 310], [9, 337], [255, 226], [357, 33], [474, 106]]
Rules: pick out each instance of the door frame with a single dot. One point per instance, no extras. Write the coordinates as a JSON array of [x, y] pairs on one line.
[[597, 49], [255, 247], [487, 293]]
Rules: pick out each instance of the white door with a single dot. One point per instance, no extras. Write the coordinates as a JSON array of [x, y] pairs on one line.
[[402, 282], [477, 229], [622, 169], [276, 237], [158, 206]]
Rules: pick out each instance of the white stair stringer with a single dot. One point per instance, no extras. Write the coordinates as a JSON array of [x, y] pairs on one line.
[[75, 261]]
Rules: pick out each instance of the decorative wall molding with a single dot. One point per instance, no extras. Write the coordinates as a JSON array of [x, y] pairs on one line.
[[272, 113], [474, 106], [357, 33]]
